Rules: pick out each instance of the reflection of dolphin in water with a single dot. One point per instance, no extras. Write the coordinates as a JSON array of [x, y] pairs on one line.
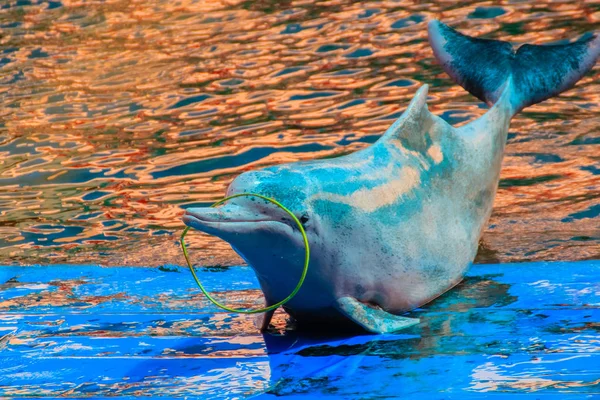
[[394, 225]]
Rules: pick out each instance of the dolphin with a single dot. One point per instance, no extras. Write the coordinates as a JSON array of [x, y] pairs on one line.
[[393, 226]]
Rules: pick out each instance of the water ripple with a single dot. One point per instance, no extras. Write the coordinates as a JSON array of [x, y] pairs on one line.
[[117, 115]]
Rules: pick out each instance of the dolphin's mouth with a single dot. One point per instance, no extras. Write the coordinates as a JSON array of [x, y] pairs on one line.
[[232, 218]]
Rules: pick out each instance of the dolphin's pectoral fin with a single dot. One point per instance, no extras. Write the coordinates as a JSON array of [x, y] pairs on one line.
[[373, 319], [262, 321]]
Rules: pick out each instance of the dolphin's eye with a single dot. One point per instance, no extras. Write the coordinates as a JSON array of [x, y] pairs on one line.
[[303, 219]]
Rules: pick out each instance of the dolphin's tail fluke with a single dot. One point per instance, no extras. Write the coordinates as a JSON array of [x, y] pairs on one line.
[[483, 67]]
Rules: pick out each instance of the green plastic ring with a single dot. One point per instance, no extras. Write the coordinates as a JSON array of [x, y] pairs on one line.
[[271, 307]]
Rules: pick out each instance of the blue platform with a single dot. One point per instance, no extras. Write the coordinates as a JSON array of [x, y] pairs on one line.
[[508, 331]]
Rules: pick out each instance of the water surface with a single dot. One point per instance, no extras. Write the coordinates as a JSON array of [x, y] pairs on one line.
[[115, 115]]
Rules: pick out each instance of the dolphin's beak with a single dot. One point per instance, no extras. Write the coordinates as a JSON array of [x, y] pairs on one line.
[[229, 218]]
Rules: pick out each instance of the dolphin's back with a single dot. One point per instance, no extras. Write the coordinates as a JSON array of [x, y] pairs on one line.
[[415, 150]]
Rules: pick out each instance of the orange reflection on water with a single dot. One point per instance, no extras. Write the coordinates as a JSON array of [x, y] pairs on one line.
[[117, 114]]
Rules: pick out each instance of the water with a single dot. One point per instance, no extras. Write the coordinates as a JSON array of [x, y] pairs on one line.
[[116, 115], [89, 332]]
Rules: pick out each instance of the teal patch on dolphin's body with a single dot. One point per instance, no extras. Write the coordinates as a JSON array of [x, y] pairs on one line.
[[396, 224]]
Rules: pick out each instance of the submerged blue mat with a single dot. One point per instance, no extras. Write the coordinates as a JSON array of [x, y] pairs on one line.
[[507, 331]]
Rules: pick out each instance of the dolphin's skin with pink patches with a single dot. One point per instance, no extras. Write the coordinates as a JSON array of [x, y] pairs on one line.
[[396, 224]]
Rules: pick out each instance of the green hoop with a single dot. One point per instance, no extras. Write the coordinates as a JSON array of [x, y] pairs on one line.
[[271, 307]]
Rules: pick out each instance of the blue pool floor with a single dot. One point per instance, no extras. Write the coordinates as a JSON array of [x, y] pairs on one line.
[[507, 331]]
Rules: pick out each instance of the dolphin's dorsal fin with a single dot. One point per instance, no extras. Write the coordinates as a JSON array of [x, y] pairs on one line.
[[413, 125]]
